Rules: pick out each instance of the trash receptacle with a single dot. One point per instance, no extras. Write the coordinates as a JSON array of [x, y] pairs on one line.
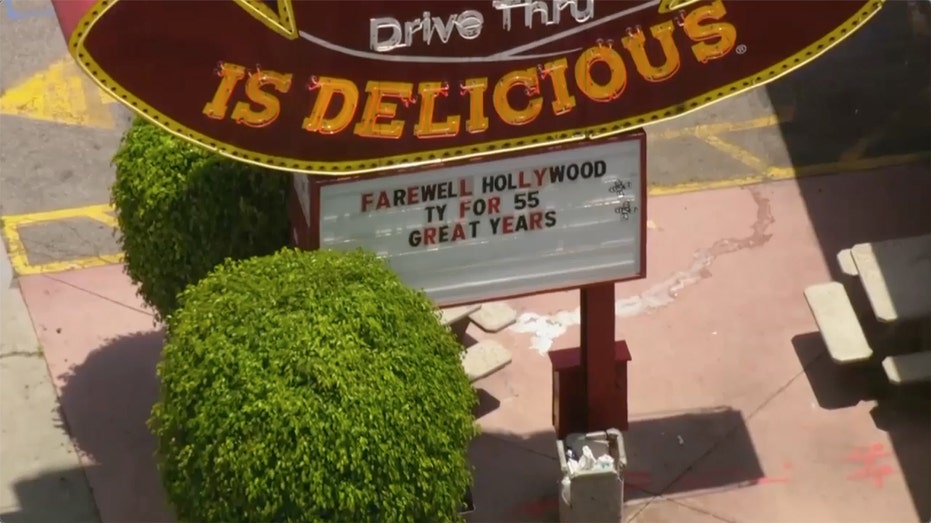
[[592, 492]]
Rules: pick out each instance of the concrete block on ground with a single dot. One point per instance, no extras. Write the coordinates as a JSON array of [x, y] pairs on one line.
[[494, 317], [485, 358], [452, 315]]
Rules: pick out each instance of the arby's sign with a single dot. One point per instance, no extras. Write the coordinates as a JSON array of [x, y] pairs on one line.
[[351, 87]]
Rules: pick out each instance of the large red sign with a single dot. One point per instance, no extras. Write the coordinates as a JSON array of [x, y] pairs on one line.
[[347, 87]]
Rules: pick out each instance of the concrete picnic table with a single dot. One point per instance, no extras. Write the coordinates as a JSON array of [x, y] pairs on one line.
[[896, 275]]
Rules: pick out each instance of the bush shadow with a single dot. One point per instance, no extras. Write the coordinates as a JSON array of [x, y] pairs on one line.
[[515, 481], [106, 402], [486, 403], [59, 495]]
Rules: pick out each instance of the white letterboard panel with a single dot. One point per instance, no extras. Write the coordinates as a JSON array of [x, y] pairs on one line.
[[503, 228]]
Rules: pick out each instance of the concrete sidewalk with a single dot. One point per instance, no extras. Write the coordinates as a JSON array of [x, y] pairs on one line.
[[41, 478], [737, 414]]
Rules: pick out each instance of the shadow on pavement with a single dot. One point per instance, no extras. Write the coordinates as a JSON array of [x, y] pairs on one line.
[[515, 481], [903, 412], [837, 386], [59, 495], [486, 403], [106, 402], [868, 98]]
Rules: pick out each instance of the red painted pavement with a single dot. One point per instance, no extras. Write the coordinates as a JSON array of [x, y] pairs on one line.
[[735, 409]]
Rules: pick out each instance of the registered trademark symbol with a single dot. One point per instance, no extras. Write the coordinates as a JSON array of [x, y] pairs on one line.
[[741, 49]]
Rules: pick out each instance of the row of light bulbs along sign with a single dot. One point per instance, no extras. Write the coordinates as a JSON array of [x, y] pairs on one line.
[[321, 89]]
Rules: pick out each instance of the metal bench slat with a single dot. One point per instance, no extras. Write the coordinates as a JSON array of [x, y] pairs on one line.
[[840, 328]]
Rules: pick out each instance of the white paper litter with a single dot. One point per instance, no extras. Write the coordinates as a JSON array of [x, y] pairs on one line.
[[588, 462]]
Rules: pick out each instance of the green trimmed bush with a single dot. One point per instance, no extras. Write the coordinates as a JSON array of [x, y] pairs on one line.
[[312, 386], [182, 210]]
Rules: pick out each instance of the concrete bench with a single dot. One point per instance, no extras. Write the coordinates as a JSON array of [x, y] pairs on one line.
[[896, 275], [906, 369], [840, 328]]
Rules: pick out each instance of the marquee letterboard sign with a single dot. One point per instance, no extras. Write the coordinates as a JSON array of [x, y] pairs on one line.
[[356, 86], [473, 232]]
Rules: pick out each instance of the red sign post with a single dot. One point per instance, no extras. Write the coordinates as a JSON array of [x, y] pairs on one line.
[[564, 218], [426, 89]]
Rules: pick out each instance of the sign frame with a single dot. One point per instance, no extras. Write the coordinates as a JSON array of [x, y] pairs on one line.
[[306, 195], [83, 21]]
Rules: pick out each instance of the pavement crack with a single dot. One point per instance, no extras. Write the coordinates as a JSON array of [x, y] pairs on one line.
[[547, 328], [721, 441], [665, 292], [708, 513], [21, 353], [101, 296], [510, 441]]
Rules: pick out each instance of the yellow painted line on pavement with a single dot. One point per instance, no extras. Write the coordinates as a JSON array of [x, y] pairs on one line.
[[16, 249], [94, 212], [710, 133], [738, 153], [788, 173], [102, 213], [723, 127], [60, 93]]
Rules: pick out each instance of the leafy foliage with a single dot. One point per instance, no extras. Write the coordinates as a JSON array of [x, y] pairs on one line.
[[182, 210], [312, 386]]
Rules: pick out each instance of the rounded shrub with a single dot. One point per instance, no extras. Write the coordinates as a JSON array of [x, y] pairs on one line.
[[312, 386], [182, 210]]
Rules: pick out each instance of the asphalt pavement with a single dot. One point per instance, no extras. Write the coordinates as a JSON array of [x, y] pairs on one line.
[[862, 105]]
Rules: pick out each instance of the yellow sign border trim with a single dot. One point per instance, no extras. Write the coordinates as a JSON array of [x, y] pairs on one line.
[[372, 165]]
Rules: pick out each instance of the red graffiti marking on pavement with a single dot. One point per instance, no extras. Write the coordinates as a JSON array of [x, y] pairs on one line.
[[638, 479], [539, 507], [769, 480], [868, 457]]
